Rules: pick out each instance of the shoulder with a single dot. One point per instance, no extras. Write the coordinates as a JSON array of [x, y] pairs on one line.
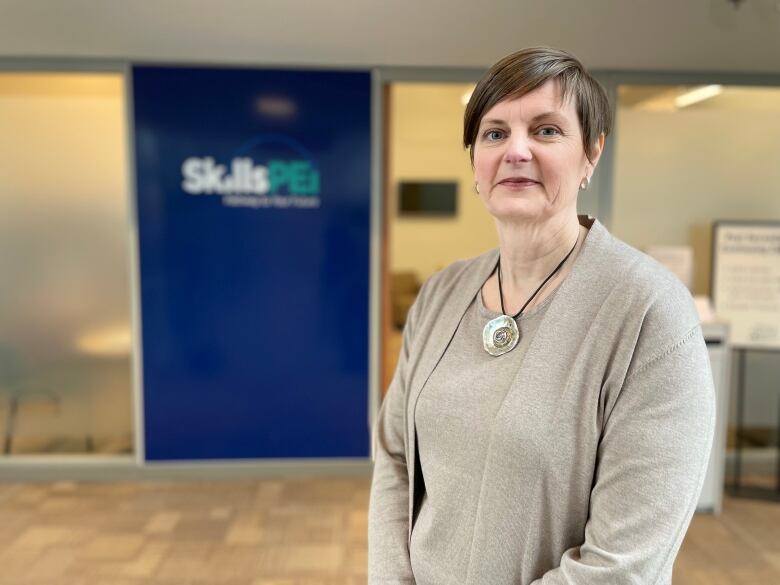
[[631, 277], [659, 304], [648, 279], [645, 275]]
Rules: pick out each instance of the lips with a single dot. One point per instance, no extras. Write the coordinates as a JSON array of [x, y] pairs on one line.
[[518, 181]]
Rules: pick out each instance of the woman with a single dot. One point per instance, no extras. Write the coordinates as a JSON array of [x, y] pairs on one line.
[[551, 415]]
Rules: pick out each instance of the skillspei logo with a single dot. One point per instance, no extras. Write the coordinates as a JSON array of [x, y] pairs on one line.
[[281, 181]]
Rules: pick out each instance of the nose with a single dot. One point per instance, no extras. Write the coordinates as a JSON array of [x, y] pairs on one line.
[[518, 150]]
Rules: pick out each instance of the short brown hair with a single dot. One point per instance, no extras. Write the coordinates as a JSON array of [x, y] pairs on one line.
[[522, 72]]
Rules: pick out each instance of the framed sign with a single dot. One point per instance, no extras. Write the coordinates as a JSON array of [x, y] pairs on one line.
[[746, 281], [253, 206]]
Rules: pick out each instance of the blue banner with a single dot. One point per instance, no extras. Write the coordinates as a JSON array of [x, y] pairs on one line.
[[253, 218]]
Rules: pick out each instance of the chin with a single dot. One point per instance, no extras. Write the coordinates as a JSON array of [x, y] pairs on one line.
[[518, 210]]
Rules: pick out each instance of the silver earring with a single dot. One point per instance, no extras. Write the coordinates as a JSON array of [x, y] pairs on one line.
[[476, 187], [585, 183]]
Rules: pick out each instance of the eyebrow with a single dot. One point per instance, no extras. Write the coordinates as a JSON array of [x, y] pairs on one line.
[[550, 114]]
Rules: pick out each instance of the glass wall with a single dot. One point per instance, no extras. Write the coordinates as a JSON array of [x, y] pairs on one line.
[[685, 157], [65, 343], [424, 147]]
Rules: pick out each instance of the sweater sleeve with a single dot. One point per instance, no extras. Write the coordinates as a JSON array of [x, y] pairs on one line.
[[652, 459], [388, 511]]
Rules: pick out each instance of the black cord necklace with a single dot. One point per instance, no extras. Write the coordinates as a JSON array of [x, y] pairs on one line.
[[501, 334]]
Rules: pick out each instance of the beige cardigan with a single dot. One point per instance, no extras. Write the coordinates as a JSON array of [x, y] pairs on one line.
[[598, 453]]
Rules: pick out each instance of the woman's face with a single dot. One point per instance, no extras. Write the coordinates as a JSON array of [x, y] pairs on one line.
[[528, 156]]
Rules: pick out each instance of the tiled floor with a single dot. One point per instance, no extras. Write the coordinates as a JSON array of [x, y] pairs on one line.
[[227, 532], [276, 532]]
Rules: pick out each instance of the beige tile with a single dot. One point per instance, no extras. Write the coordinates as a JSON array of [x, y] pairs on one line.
[[220, 513], [773, 559], [236, 562], [321, 559], [51, 565], [113, 547], [162, 522], [147, 562], [41, 536], [15, 563], [56, 504], [357, 525], [244, 530], [356, 560], [30, 495], [183, 564]]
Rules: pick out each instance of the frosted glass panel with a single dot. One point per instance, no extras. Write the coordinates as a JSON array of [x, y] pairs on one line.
[[65, 370]]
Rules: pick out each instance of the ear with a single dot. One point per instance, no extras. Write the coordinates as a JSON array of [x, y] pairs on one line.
[[596, 150]]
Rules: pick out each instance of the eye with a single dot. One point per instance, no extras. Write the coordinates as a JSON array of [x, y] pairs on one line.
[[548, 131], [493, 135]]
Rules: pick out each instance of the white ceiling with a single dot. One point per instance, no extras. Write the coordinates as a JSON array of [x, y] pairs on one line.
[[704, 35]]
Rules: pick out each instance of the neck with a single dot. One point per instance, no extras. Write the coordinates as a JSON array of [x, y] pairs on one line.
[[529, 252]]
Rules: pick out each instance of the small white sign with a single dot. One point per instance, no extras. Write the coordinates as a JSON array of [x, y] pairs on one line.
[[746, 281]]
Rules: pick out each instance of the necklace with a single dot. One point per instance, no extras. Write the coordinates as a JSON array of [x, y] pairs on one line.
[[501, 334]]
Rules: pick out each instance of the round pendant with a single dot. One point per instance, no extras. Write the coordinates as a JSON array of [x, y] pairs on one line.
[[500, 335]]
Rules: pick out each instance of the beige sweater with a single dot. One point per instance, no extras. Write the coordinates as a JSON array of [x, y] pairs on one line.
[[598, 451], [453, 420]]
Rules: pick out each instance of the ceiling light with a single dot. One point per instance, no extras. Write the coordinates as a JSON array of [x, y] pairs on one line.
[[276, 107], [699, 94], [111, 341]]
